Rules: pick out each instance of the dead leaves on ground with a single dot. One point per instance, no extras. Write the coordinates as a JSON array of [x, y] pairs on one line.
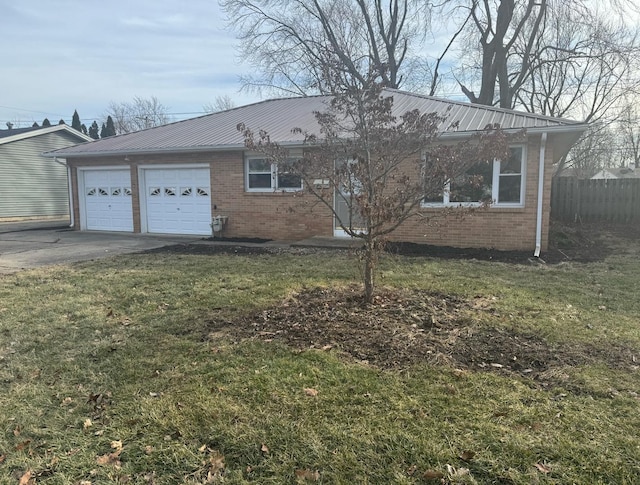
[[467, 455], [30, 477], [453, 474], [212, 470], [543, 467], [26, 478], [215, 466], [310, 392], [305, 475], [433, 475], [112, 458]]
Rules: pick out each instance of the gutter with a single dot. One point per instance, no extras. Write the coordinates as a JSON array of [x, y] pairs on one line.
[[566, 129], [154, 151], [69, 189], [543, 146]]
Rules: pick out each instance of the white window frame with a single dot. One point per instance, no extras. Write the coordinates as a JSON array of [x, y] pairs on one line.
[[274, 177], [495, 187]]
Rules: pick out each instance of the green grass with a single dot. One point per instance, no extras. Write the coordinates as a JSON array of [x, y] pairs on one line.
[[132, 330]]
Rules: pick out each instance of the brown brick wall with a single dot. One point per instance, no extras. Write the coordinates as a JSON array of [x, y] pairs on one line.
[[499, 228], [294, 216], [272, 215]]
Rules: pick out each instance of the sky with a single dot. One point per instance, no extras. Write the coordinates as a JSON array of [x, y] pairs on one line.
[[57, 56]]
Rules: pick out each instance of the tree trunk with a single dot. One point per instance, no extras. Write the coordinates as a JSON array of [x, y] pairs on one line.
[[371, 254]]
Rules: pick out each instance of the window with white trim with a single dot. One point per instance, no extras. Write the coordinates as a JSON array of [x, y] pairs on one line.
[[500, 182], [263, 175]]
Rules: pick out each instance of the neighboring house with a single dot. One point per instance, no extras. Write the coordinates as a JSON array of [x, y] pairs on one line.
[[629, 172], [174, 178], [31, 185], [572, 172]]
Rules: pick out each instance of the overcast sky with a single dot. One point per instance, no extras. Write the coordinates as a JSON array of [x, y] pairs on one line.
[[61, 55]]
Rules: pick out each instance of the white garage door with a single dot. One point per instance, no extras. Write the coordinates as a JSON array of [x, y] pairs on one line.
[[107, 200], [178, 201]]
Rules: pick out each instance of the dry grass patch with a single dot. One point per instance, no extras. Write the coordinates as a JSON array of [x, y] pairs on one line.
[[240, 368]]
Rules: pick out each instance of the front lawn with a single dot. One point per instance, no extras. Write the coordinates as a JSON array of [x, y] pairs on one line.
[[172, 368]]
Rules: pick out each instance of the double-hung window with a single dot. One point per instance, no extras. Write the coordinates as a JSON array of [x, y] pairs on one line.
[[263, 175], [500, 182]]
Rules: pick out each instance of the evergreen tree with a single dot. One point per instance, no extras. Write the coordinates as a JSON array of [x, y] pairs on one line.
[[111, 128], [46, 123], [94, 130], [108, 129], [75, 121], [83, 128], [35, 125], [61, 122]]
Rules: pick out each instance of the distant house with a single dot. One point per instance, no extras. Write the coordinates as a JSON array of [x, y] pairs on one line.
[[630, 172], [174, 178], [573, 172], [31, 185]]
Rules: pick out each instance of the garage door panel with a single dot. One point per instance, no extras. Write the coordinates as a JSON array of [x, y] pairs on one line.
[[178, 201], [107, 200]]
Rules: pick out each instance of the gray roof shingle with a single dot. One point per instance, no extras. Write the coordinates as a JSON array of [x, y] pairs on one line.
[[17, 131], [278, 117]]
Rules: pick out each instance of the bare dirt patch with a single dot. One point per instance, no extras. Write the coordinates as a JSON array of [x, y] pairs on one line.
[[407, 327]]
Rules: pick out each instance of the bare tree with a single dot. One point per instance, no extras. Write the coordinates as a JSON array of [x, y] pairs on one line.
[[597, 149], [548, 56], [221, 103], [497, 26], [583, 67], [293, 43], [140, 114], [629, 133], [379, 166]]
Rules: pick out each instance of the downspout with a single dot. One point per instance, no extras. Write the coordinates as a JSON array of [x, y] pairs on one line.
[[543, 145], [71, 216]]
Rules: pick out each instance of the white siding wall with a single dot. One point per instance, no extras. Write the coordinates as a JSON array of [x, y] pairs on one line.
[[30, 184]]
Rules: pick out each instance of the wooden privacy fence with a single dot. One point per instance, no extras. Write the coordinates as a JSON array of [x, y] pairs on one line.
[[614, 200]]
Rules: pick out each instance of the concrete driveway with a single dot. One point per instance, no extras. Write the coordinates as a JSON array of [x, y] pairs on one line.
[[34, 244]]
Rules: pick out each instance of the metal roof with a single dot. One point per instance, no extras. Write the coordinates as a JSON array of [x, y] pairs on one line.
[[218, 131]]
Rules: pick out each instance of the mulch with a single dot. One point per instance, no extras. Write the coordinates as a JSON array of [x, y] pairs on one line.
[[405, 327], [581, 243]]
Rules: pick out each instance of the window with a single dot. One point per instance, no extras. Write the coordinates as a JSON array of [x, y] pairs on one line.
[[501, 182], [510, 175], [263, 176]]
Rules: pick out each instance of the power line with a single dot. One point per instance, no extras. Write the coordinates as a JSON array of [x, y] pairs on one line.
[[30, 110]]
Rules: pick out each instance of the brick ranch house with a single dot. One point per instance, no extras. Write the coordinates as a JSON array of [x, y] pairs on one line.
[[174, 178]]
